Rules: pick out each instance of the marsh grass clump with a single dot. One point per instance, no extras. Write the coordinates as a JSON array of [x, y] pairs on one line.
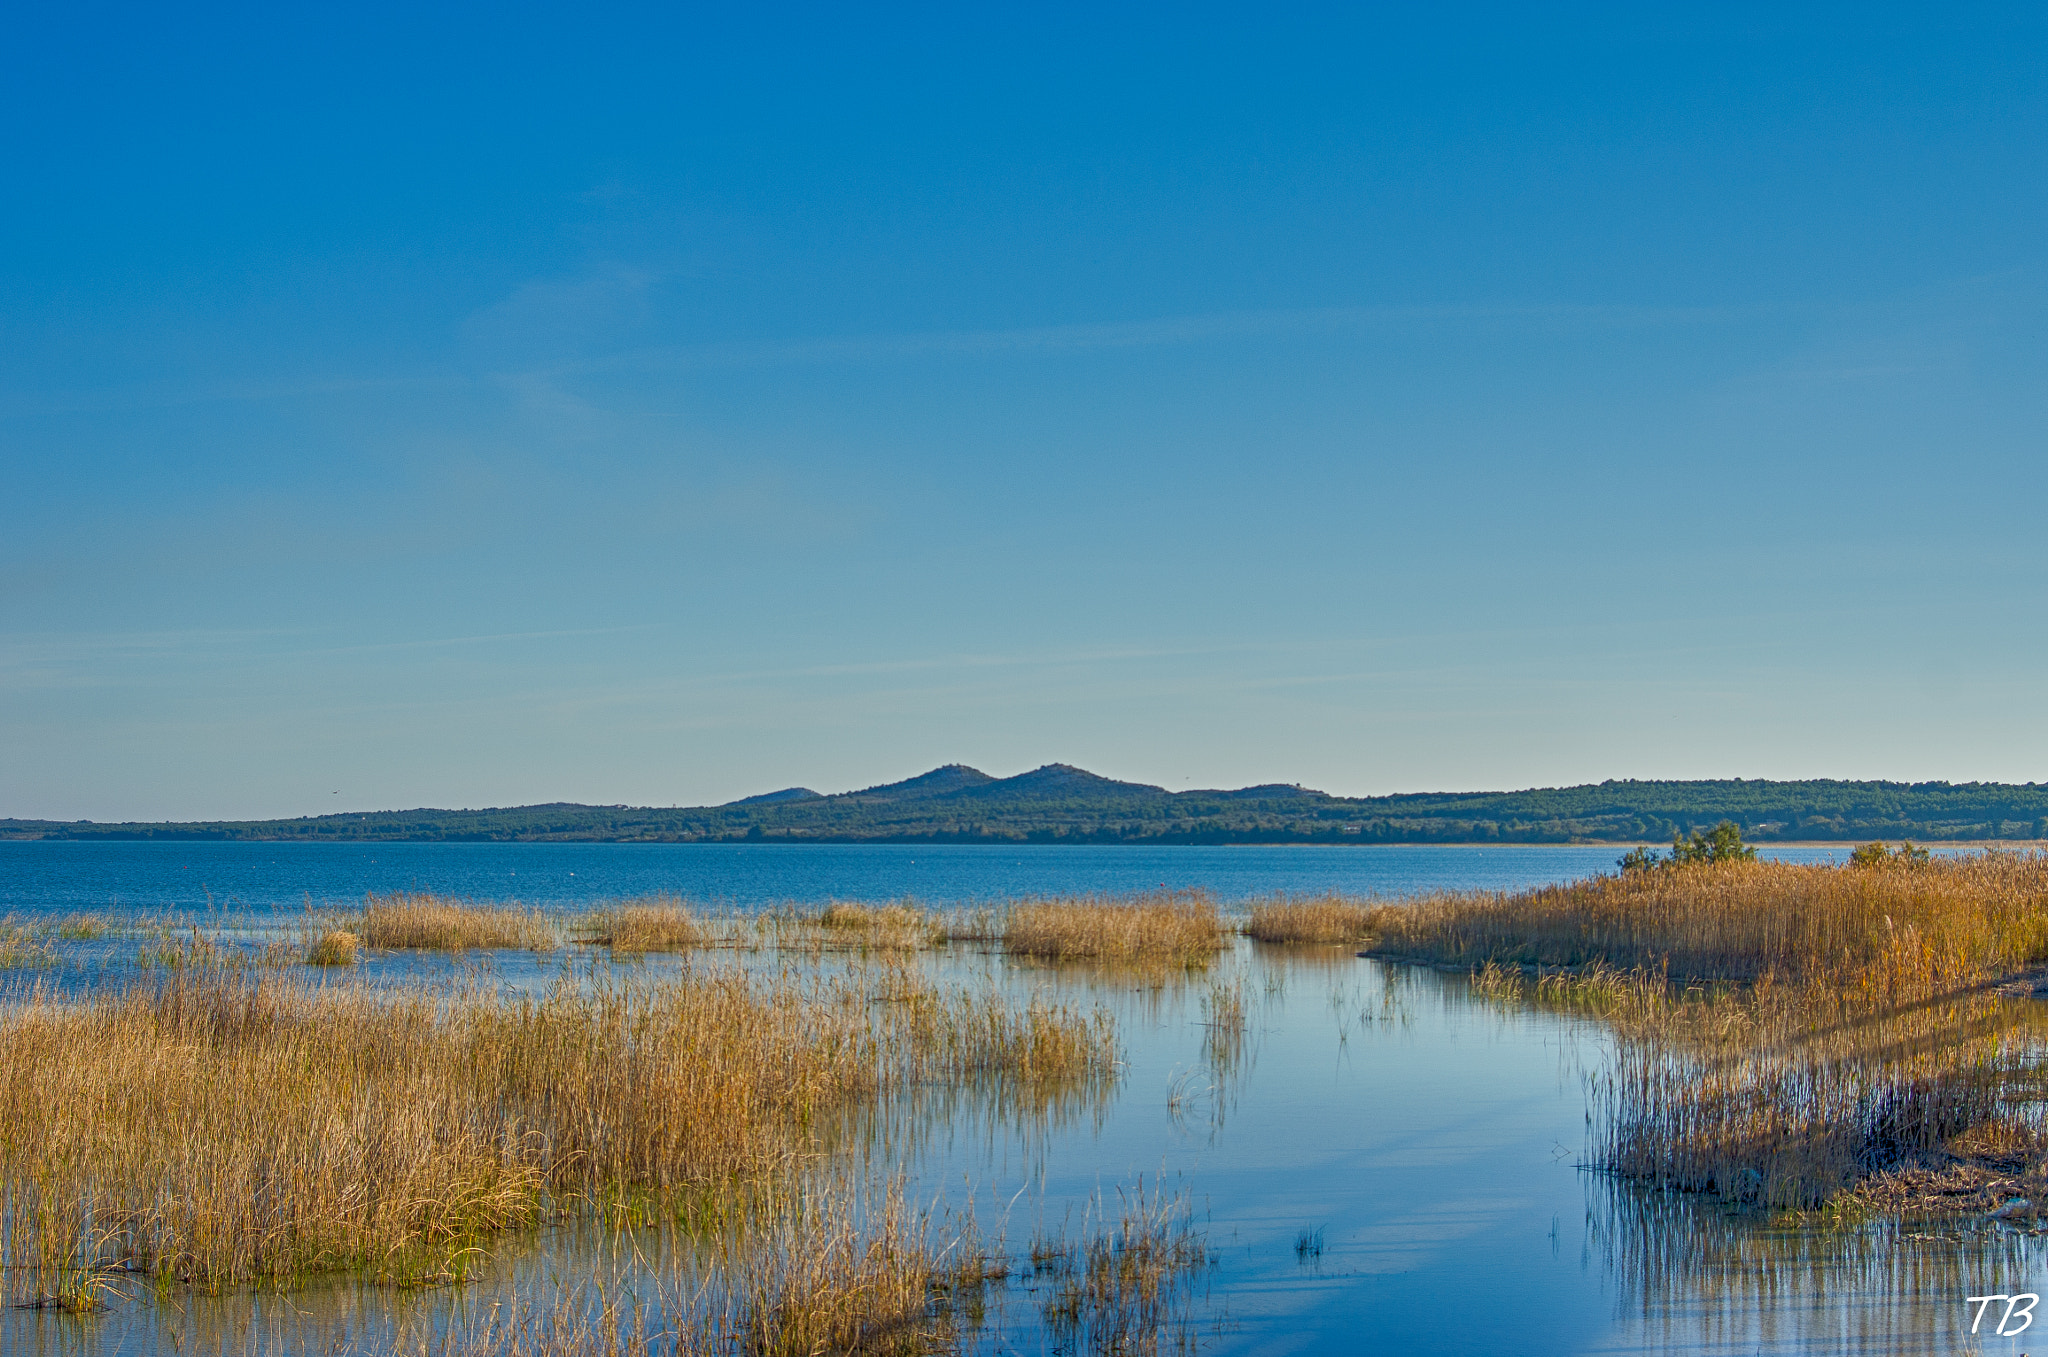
[[896, 926], [1787, 1035], [21, 946], [1818, 1115], [1329, 919], [1181, 927], [409, 920], [334, 947], [83, 928], [213, 1124], [655, 924], [821, 1264], [1877, 934], [1126, 1288]]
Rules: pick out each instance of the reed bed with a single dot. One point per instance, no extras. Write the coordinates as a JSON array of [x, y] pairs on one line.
[[654, 924], [334, 947], [1787, 1036], [1328, 919], [22, 946], [411, 920], [1178, 926], [899, 927], [829, 1266], [1807, 1121], [212, 1125], [83, 928], [1885, 934], [1126, 1288], [842, 1268]]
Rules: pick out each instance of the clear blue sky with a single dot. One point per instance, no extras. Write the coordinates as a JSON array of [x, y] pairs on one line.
[[467, 408]]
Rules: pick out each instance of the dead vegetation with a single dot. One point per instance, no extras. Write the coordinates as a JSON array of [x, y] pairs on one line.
[[411, 920], [334, 947], [654, 924], [1894, 933], [1788, 1035], [212, 1124], [1328, 919], [1181, 927], [1126, 1288], [840, 1267]]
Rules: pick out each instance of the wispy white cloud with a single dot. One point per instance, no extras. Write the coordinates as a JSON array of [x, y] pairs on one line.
[[1145, 333]]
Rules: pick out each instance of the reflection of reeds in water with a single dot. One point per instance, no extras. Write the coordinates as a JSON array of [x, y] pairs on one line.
[[1224, 1024], [208, 1124], [1700, 1279], [1326, 919], [834, 1266], [1127, 1287], [1799, 1118], [822, 1265], [1837, 1036], [1180, 927], [411, 920]]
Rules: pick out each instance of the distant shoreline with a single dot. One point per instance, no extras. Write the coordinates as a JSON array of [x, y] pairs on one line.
[[1059, 803], [2014, 845]]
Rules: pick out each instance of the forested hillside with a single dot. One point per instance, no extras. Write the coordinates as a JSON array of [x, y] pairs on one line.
[[1062, 804]]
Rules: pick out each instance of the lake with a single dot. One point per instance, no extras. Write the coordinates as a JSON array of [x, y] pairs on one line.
[[1388, 1162], [261, 880]]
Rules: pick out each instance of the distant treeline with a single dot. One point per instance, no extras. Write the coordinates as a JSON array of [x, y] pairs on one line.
[[1060, 804]]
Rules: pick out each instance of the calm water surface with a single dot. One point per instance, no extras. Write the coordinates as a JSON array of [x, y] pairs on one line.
[[259, 879], [1429, 1140]]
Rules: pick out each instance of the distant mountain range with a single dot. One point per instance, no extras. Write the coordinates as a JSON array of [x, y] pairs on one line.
[[1063, 804]]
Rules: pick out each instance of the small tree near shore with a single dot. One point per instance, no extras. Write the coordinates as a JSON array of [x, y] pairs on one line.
[[1722, 843], [1877, 855]]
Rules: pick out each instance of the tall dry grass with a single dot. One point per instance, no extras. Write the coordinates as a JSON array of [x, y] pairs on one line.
[[829, 1266], [213, 1125], [21, 945], [1126, 1287], [653, 924], [1327, 919], [898, 927], [1786, 1034], [333, 947], [411, 920], [1887, 935], [842, 1268], [1178, 926], [1799, 1119]]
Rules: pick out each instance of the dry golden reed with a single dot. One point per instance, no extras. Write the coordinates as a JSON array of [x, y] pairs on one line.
[[836, 1267], [213, 1124], [654, 924], [1179, 926], [1328, 919], [414, 920], [1125, 1289], [1802, 1119], [1787, 1034], [898, 927], [829, 1266], [21, 946], [1887, 934], [334, 947]]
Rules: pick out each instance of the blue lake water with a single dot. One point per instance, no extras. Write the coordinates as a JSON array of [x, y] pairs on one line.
[[1431, 1143], [39, 877]]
